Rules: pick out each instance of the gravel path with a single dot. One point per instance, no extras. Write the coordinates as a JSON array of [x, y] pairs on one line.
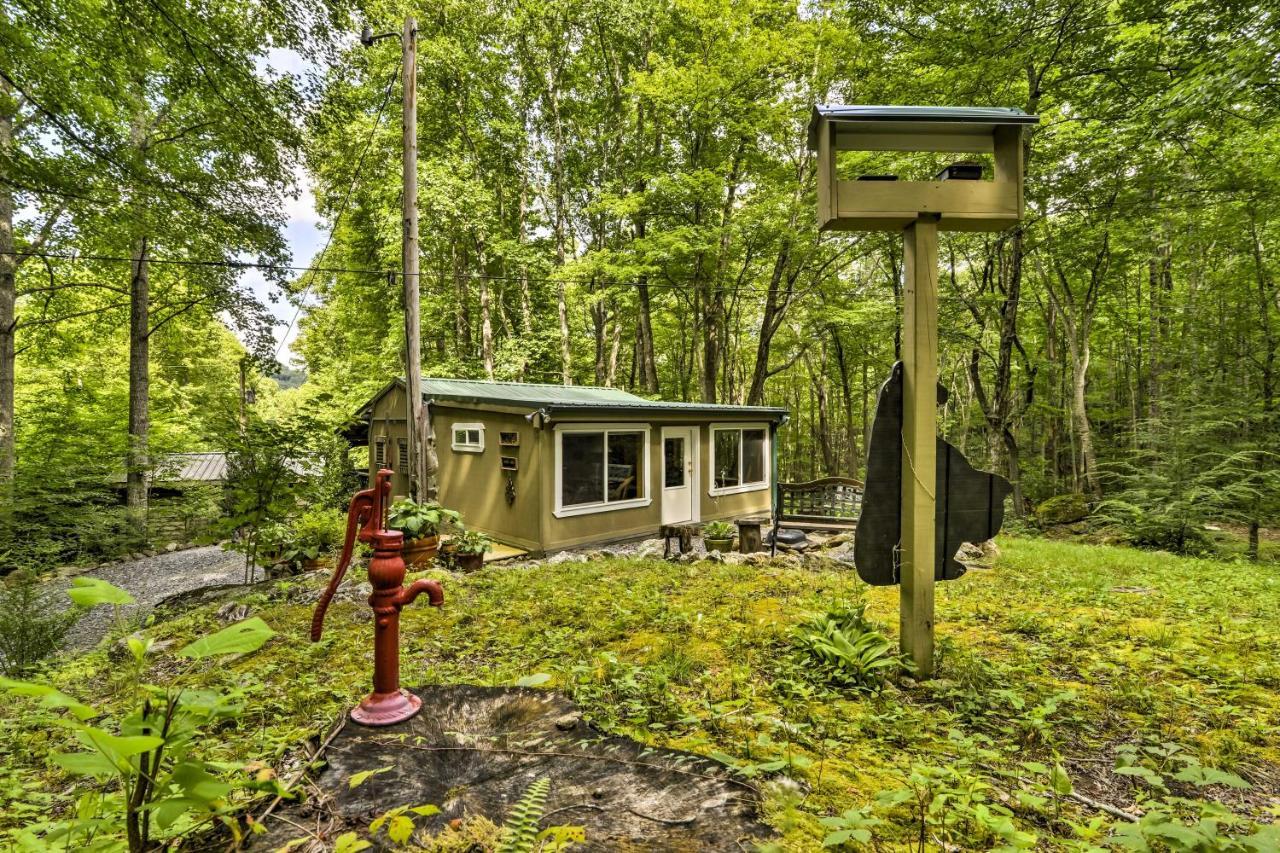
[[150, 581]]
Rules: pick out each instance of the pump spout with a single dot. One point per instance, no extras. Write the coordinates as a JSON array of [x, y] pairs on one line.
[[435, 593]]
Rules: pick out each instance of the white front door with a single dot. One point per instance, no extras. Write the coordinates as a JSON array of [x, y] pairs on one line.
[[679, 474]]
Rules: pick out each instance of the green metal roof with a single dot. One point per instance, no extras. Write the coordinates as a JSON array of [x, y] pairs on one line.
[[572, 398]]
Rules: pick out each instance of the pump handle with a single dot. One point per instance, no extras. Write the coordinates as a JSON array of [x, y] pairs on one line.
[[365, 517]]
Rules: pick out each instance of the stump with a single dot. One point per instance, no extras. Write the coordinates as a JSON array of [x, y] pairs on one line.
[[476, 750], [749, 534], [683, 533]]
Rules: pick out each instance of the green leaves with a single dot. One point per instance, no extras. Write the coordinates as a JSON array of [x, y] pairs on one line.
[[358, 779], [49, 697], [90, 592], [243, 637], [536, 680]]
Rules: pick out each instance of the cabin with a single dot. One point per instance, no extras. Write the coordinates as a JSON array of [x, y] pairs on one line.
[[548, 467]]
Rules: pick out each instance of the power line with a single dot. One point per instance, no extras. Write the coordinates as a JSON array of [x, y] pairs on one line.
[[355, 176]]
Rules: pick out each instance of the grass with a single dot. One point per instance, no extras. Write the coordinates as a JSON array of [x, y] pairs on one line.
[[1064, 660]]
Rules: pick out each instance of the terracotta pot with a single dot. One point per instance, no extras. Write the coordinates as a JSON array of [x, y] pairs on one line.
[[420, 552], [469, 562], [724, 546], [313, 565]]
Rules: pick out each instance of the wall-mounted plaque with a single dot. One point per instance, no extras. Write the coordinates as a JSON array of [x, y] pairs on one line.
[[510, 463], [509, 439]]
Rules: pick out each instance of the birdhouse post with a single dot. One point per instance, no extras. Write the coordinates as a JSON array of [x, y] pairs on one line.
[[956, 199]]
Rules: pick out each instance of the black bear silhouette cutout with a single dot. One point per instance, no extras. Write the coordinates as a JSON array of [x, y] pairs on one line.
[[970, 503]]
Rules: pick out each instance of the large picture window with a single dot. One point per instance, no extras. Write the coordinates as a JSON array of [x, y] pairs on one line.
[[739, 459], [600, 469]]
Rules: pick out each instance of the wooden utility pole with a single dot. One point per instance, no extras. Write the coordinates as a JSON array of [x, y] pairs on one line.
[[919, 441], [419, 474]]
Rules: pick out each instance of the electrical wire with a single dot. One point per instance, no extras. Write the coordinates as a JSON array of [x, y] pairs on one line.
[[355, 177]]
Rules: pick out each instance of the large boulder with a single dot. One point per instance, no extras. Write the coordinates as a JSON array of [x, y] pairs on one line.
[[1063, 509]]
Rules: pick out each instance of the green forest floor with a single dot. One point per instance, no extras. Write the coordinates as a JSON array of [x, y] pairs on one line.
[[1063, 660]]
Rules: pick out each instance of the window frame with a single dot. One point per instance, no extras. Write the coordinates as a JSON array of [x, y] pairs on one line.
[[741, 488], [380, 452], [402, 456], [466, 447], [560, 510]]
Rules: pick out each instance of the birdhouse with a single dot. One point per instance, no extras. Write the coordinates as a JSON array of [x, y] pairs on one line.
[[958, 195]]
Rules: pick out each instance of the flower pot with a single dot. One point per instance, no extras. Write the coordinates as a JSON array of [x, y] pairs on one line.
[[468, 562], [724, 546], [420, 552]]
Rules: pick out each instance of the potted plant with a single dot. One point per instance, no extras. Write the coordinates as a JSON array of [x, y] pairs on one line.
[[469, 547], [420, 523], [718, 536]]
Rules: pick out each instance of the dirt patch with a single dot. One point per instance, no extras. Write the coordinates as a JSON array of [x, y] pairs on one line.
[[475, 751]]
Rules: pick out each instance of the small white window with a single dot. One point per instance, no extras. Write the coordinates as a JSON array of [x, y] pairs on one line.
[[468, 438]]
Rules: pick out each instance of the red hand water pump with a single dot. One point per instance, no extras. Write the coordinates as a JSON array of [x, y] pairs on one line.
[[367, 520]]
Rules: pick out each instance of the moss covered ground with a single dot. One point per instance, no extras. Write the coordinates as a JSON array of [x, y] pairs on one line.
[[1075, 683]]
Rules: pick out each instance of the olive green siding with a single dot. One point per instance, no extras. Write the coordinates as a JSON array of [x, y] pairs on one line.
[[475, 484]]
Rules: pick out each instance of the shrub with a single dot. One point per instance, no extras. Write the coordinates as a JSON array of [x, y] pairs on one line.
[[29, 629], [842, 648], [419, 520]]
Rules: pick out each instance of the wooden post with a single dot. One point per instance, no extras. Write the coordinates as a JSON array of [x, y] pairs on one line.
[[919, 437], [417, 427]]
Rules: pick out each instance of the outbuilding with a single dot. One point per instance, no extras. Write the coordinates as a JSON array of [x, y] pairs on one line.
[[547, 467]]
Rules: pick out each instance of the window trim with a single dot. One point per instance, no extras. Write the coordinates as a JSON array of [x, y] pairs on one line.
[[742, 488], [464, 447], [562, 511]]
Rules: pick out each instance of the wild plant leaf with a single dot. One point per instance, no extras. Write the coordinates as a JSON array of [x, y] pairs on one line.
[[93, 764], [400, 828], [50, 697], [536, 680], [348, 842], [90, 592], [242, 637], [117, 747], [355, 780]]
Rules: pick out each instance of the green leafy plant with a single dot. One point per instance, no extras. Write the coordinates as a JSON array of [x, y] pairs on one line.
[[159, 786], [314, 534], [520, 833], [845, 649], [420, 520], [471, 542], [30, 630], [852, 825], [718, 530]]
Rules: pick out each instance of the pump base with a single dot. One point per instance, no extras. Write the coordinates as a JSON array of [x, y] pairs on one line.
[[386, 709]]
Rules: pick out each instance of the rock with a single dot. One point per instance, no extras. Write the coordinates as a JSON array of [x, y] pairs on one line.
[[171, 547], [568, 722], [733, 558], [1063, 509], [599, 554], [565, 557], [233, 611], [787, 561], [760, 558], [714, 557], [837, 540], [650, 548]]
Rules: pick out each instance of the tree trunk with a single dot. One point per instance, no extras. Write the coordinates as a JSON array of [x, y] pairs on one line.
[[8, 309], [137, 463], [486, 318], [8, 323], [1088, 469]]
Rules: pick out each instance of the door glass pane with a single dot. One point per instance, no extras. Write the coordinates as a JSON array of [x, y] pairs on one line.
[[753, 461], [582, 468], [727, 441], [673, 462], [624, 466]]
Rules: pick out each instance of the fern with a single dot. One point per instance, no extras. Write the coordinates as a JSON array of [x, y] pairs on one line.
[[520, 832]]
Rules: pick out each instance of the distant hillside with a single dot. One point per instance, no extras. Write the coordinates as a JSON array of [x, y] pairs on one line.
[[290, 378]]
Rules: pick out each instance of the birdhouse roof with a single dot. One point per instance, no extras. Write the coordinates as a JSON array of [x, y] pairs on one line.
[[880, 117]]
